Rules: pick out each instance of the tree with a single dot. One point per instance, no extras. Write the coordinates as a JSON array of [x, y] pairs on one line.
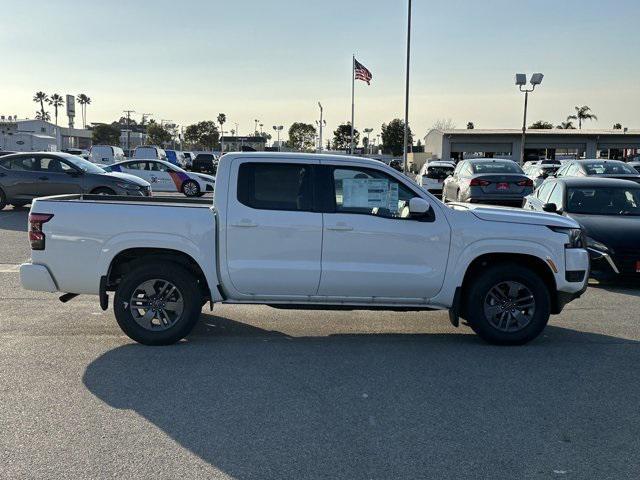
[[582, 113], [41, 97], [43, 116], [470, 126], [158, 134], [83, 100], [393, 137], [568, 125], [204, 134], [342, 137], [302, 136], [541, 125], [106, 135], [617, 126], [56, 101], [444, 124]]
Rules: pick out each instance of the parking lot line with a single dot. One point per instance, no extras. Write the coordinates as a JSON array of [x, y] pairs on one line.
[[9, 268]]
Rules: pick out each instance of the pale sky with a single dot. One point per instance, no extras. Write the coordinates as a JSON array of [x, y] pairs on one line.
[[189, 60]]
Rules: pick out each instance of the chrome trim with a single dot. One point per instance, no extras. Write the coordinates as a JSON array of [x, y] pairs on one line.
[[607, 257]]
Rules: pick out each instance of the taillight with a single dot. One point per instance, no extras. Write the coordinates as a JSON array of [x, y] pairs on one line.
[[525, 183], [477, 182], [36, 235]]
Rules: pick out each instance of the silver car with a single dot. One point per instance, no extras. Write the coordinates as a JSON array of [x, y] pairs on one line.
[[487, 180], [25, 176]]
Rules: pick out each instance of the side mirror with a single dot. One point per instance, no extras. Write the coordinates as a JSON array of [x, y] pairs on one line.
[[551, 208], [418, 207]]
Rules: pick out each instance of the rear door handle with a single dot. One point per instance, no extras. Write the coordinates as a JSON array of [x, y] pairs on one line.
[[340, 227], [245, 222]]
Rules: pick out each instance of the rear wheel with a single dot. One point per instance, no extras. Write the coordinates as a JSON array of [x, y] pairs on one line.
[[3, 199], [191, 188], [158, 304], [103, 191], [507, 304]]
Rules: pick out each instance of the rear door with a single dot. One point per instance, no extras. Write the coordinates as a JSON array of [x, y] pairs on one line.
[[19, 176], [273, 234]]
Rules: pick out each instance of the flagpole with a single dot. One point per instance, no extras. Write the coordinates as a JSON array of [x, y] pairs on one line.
[[353, 102]]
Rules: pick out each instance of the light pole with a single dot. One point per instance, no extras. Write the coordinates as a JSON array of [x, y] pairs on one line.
[[278, 129], [521, 81], [237, 130], [406, 93], [255, 129], [320, 124], [368, 132]]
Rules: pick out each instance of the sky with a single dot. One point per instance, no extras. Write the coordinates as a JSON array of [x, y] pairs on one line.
[[189, 60]]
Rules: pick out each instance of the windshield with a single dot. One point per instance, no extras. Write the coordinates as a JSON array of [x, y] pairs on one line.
[[496, 167], [83, 164], [604, 200], [608, 168]]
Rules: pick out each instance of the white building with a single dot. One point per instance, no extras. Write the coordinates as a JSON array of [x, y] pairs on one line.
[[39, 135]]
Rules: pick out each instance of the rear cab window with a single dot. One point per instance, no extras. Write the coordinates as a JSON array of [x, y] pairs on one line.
[[276, 186]]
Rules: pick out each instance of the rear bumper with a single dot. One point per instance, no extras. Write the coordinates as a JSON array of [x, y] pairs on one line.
[[37, 278]]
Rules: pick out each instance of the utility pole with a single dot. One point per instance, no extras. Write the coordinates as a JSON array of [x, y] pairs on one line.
[[321, 124], [406, 99], [129, 112]]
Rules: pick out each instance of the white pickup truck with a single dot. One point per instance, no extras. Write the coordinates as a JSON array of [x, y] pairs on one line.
[[306, 231]]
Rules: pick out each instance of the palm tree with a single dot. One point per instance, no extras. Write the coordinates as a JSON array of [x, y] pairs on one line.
[[56, 101], [83, 100], [222, 118], [617, 126], [470, 126], [43, 116], [41, 97], [582, 113], [568, 125]]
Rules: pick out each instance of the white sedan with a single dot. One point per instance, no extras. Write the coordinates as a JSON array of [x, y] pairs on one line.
[[166, 177]]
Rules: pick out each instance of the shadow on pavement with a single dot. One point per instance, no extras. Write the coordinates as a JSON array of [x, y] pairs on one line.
[[626, 286], [14, 219], [259, 404]]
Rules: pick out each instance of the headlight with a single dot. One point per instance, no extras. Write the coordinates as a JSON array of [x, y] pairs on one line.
[[128, 186], [576, 236], [596, 245]]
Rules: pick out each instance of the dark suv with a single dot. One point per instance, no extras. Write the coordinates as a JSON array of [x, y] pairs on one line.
[[25, 176], [205, 163]]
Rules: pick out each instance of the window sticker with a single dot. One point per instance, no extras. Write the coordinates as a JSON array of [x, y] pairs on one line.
[[369, 193]]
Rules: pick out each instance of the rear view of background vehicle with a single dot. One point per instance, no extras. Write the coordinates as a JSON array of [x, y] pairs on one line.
[[175, 157], [165, 177], [106, 154], [539, 172], [150, 153], [489, 181], [433, 174], [598, 168], [188, 160], [205, 163], [25, 176]]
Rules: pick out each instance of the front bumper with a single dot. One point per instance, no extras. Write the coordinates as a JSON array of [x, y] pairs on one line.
[[607, 265], [37, 278]]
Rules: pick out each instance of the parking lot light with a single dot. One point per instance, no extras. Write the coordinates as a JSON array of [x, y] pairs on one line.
[[521, 81]]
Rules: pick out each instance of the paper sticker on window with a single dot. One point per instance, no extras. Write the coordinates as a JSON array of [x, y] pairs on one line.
[[369, 193]]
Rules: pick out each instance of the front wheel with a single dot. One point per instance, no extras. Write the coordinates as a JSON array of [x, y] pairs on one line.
[[191, 188], [507, 304], [103, 191], [158, 304]]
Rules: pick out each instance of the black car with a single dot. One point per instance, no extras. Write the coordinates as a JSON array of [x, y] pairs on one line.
[[598, 168], [608, 210], [205, 163]]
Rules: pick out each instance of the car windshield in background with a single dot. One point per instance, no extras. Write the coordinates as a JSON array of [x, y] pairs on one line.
[[496, 167], [603, 201], [439, 173], [607, 168], [550, 168], [84, 165]]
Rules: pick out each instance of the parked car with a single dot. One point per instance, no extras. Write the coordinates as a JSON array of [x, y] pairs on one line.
[[106, 154], [149, 153], [489, 181], [539, 172], [598, 168], [166, 177], [432, 175], [175, 157], [25, 176], [305, 231], [205, 162], [5, 152], [607, 209], [188, 160], [635, 165], [77, 151]]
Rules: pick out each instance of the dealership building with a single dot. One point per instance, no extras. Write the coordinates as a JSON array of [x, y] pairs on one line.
[[39, 135], [458, 143]]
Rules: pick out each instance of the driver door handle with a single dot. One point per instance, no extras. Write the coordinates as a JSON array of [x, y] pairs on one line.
[[245, 222], [340, 227]]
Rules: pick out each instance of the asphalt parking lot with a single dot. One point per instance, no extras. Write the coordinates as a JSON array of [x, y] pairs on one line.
[[260, 393]]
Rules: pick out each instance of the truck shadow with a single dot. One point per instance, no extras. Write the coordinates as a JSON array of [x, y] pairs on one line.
[[259, 404], [14, 219]]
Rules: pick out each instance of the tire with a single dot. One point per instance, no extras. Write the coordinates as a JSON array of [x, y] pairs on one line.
[[103, 191], [491, 294], [18, 204], [164, 326], [3, 199], [191, 188]]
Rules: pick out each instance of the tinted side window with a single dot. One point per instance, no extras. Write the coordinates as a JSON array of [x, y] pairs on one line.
[[21, 164], [271, 186], [136, 165], [53, 165]]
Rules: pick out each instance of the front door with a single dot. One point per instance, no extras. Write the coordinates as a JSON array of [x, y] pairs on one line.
[[371, 249], [273, 236], [58, 177]]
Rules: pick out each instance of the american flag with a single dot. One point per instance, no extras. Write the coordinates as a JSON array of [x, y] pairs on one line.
[[361, 72]]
